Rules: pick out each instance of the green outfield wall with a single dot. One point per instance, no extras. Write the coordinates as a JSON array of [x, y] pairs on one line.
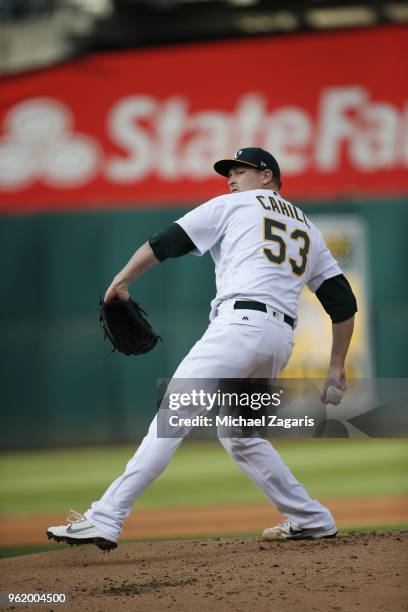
[[60, 384]]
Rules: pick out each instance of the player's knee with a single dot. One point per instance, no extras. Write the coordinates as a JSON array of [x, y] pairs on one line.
[[224, 441], [233, 446]]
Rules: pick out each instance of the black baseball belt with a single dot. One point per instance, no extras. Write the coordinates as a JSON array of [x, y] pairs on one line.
[[249, 305]]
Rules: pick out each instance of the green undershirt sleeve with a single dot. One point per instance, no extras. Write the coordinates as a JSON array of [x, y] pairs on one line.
[[171, 241], [337, 298]]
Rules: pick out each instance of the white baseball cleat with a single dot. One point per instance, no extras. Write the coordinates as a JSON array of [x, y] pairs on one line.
[[288, 530], [80, 531]]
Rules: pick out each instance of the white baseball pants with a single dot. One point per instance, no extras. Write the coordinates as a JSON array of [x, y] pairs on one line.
[[257, 346]]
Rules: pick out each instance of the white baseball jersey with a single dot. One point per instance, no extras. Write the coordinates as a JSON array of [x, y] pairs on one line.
[[264, 248]]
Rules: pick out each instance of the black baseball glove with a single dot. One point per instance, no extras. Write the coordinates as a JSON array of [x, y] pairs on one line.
[[126, 327]]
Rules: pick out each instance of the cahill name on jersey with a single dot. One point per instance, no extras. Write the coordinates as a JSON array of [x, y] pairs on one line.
[[264, 248]]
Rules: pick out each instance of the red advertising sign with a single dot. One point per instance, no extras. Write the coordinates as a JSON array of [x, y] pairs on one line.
[[145, 127]]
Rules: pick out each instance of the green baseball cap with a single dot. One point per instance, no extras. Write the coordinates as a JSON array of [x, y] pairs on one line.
[[252, 157]]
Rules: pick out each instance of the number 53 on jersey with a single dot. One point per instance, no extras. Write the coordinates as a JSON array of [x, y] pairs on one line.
[[279, 240]]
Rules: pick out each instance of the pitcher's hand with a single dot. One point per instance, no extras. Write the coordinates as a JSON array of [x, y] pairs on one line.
[[119, 291], [335, 386]]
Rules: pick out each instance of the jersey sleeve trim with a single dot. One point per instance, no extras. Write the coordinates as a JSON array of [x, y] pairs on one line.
[[188, 231], [318, 280]]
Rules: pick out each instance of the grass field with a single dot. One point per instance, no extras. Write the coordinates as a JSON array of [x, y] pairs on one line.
[[201, 473]]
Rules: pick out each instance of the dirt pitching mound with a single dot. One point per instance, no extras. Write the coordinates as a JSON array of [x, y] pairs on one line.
[[364, 572]]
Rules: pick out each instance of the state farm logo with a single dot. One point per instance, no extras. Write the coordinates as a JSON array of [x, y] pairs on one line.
[[149, 137], [164, 139], [39, 144]]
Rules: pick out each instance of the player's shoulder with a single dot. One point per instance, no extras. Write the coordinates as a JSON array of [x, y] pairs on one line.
[[299, 214], [221, 204], [209, 207], [217, 200], [293, 213], [236, 197], [230, 196], [292, 205]]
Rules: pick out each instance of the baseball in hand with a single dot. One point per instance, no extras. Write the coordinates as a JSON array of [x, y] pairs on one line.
[[334, 395]]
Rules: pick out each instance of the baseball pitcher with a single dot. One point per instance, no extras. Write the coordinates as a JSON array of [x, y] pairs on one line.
[[265, 250]]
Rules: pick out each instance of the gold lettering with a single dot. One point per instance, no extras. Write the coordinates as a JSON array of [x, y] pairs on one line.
[[274, 205], [297, 214], [284, 209], [304, 218], [262, 203]]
